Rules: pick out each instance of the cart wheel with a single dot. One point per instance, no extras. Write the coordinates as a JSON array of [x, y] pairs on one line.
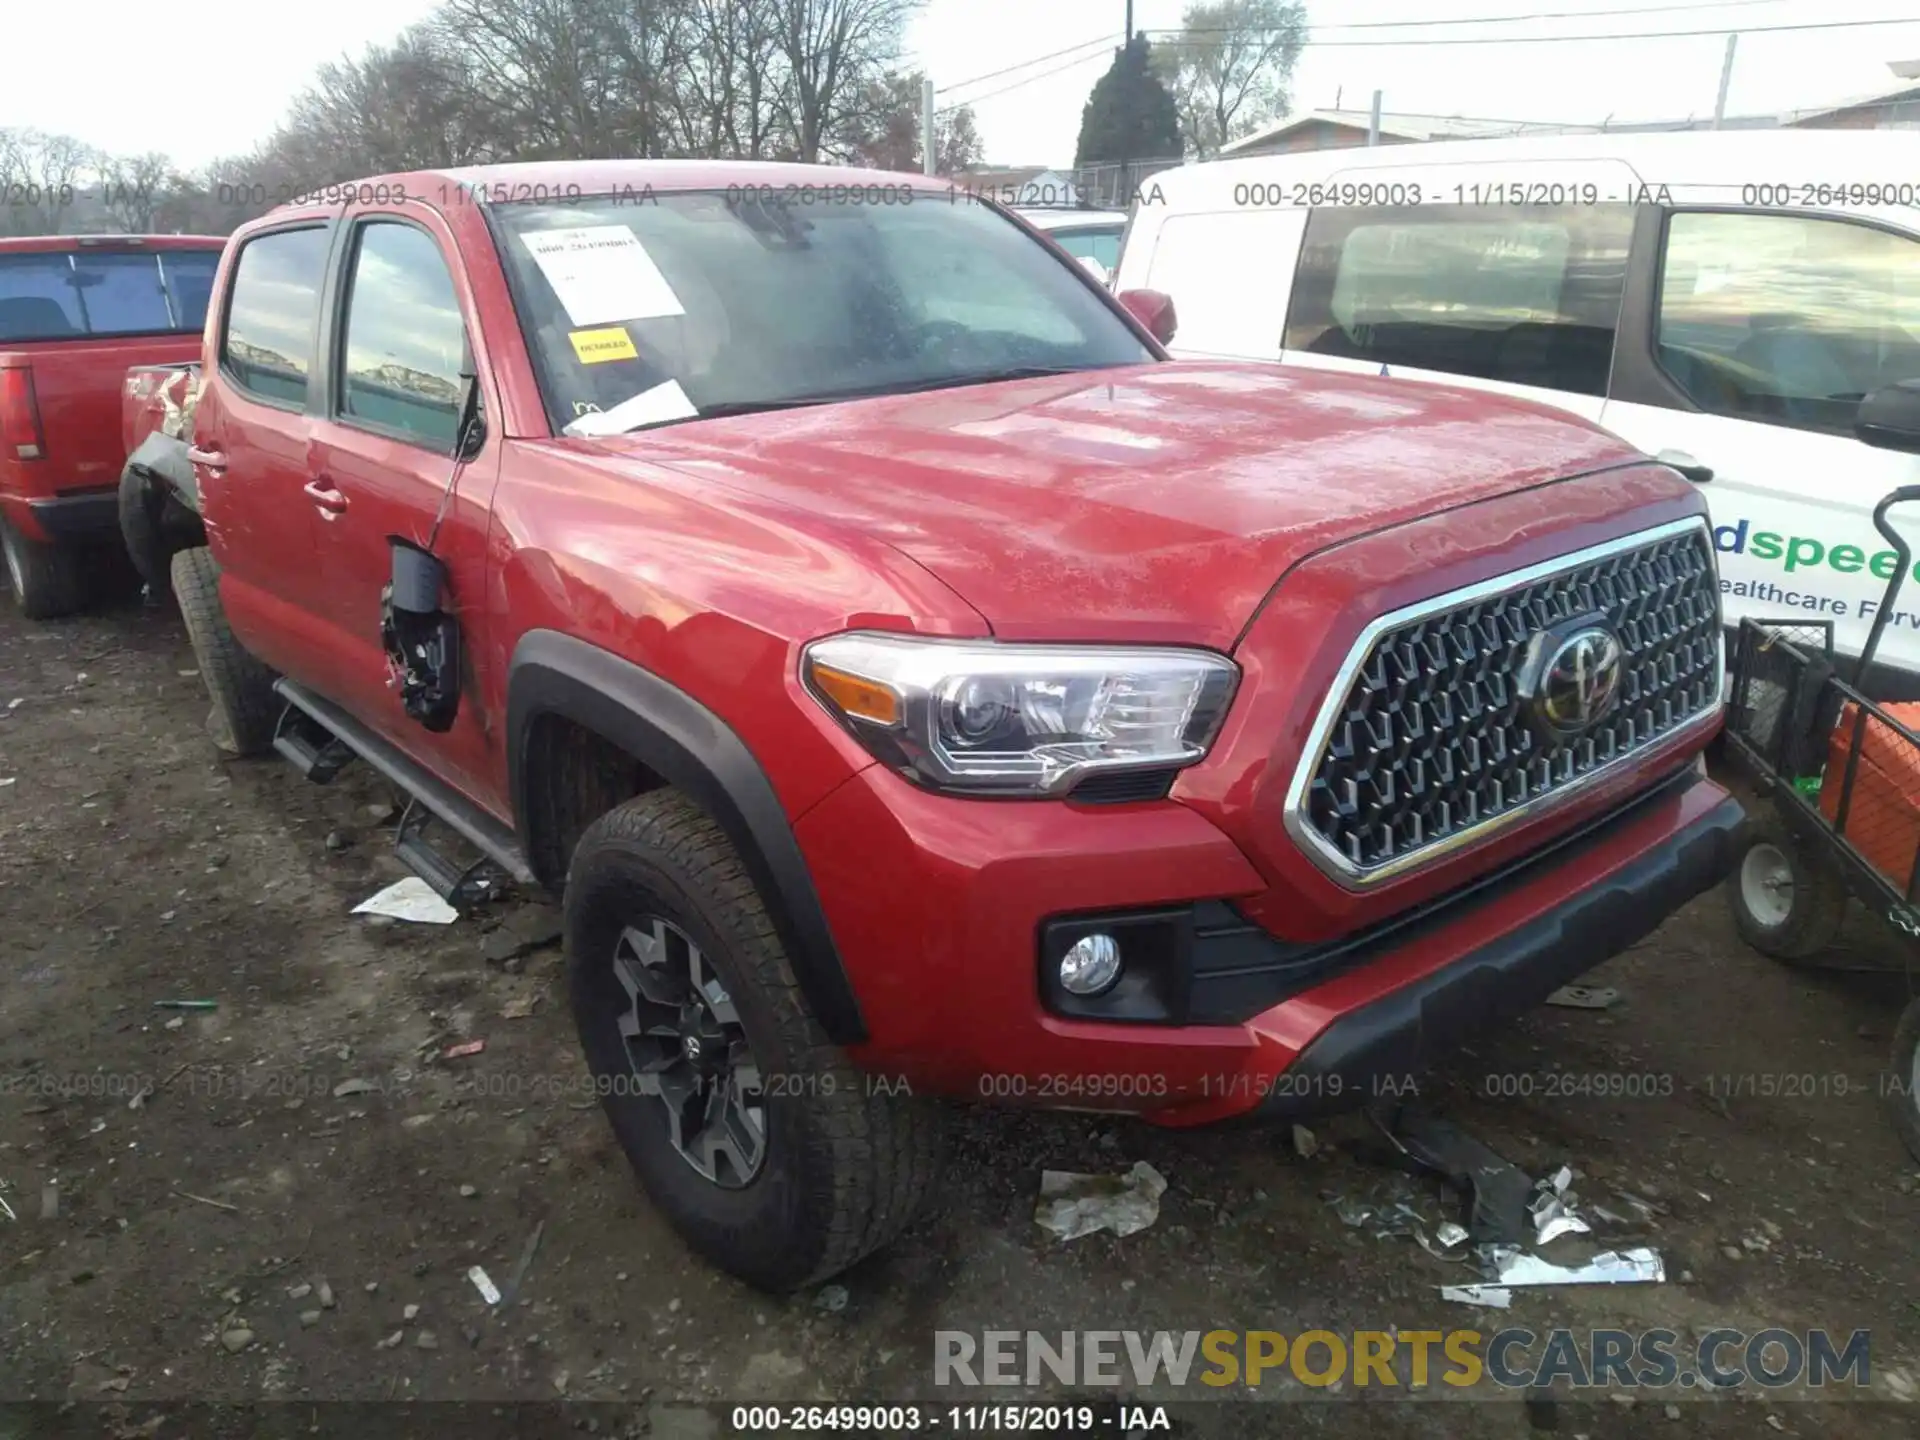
[[1787, 901], [1903, 1093]]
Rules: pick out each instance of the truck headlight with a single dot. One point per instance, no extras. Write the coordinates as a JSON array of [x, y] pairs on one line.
[[993, 719]]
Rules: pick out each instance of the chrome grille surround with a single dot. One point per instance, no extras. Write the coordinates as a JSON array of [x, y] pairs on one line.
[[1459, 763]]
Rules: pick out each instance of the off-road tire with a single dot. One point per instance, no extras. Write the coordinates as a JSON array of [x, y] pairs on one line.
[[1815, 896], [1903, 1095], [47, 581], [847, 1166], [240, 686]]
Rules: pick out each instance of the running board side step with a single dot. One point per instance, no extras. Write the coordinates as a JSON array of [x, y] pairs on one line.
[[430, 798]]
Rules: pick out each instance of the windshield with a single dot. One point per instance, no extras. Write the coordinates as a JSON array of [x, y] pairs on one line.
[[705, 302], [50, 295]]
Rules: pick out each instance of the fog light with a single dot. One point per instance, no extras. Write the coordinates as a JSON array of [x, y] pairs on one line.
[[1091, 964]]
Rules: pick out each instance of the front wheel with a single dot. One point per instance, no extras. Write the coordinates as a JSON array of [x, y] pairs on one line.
[[772, 1155], [1787, 899]]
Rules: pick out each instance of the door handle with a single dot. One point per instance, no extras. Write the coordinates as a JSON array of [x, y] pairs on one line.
[[330, 501], [212, 459], [1688, 467]]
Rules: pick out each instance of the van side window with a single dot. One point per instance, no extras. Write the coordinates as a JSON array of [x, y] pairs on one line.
[[405, 337], [1786, 319], [1530, 297], [268, 344]]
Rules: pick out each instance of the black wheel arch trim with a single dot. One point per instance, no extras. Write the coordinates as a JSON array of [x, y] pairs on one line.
[[695, 751]]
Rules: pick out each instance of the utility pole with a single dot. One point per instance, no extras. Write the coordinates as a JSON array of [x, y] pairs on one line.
[[1129, 22], [1726, 79], [927, 146], [1373, 122]]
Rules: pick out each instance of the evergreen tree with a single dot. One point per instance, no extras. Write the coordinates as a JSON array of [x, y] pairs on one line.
[[1130, 115]]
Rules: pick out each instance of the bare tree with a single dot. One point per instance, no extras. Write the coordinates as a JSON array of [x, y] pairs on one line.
[[42, 177], [835, 52], [957, 144], [135, 188], [728, 96], [1228, 68]]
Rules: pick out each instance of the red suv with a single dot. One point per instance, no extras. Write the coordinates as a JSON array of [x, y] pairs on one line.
[[75, 312], [918, 684]]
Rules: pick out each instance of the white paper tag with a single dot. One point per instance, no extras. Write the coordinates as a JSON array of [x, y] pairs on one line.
[[650, 407], [602, 273]]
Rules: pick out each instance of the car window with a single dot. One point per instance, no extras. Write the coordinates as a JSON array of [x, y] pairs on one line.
[[1787, 319], [269, 339], [80, 292], [1531, 298], [753, 298], [1100, 245], [405, 339], [189, 279]]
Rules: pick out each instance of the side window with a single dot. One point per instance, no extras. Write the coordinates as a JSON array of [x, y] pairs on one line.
[[1529, 297], [268, 344], [1786, 319], [405, 339]]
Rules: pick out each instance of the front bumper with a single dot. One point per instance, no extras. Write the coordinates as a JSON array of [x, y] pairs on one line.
[[939, 908], [1371, 1051]]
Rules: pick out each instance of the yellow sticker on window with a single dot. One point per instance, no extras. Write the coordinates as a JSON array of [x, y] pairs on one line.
[[596, 347]]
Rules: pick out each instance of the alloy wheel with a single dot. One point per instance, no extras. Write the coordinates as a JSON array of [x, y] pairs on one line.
[[687, 1048]]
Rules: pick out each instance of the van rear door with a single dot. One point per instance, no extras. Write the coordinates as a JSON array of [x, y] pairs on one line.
[[1500, 274]]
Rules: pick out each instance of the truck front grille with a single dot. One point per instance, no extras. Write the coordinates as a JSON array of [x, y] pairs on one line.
[[1426, 741]]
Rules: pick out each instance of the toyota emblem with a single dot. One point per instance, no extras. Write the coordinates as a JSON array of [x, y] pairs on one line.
[[1572, 678]]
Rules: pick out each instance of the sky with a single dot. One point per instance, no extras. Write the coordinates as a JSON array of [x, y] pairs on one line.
[[218, 85]]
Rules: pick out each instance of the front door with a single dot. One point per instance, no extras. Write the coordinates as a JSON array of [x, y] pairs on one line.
[[384, 465]]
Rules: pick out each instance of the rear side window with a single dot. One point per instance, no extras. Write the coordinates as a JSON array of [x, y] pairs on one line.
[[73, 293], [1530, 297], [1787, 319], [405, 338], [269, 340]]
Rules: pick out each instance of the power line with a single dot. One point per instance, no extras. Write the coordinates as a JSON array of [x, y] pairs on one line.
[[1040, 59], [1544, 15], [1028, 80], [1567, 39]]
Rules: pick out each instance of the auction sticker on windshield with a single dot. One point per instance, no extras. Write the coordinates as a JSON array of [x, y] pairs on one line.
[[662, 403], [602, 273]]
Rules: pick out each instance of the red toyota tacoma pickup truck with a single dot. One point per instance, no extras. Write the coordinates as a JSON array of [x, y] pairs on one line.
[[75, 312], [920, 686]]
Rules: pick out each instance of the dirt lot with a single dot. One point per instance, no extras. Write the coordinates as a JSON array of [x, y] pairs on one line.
[[139, 865]]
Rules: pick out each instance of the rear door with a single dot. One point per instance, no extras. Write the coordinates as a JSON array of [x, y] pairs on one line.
[[252, 437], [400, 339], [1505, 276], [1749, 340]]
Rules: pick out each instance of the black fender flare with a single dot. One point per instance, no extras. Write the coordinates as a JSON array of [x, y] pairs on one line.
[[695, 751], [165, 457]]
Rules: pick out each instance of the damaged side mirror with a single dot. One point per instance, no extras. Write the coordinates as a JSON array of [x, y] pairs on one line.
[[421, 639]]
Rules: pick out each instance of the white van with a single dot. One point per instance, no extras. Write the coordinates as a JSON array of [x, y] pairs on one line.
[[1723, 300]]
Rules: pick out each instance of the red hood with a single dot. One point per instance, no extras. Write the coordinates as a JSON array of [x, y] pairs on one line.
[[1154, 502]]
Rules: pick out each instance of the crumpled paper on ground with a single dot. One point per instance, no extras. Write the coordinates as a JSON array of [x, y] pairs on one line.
[[409, 899], [1072, 1205]]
